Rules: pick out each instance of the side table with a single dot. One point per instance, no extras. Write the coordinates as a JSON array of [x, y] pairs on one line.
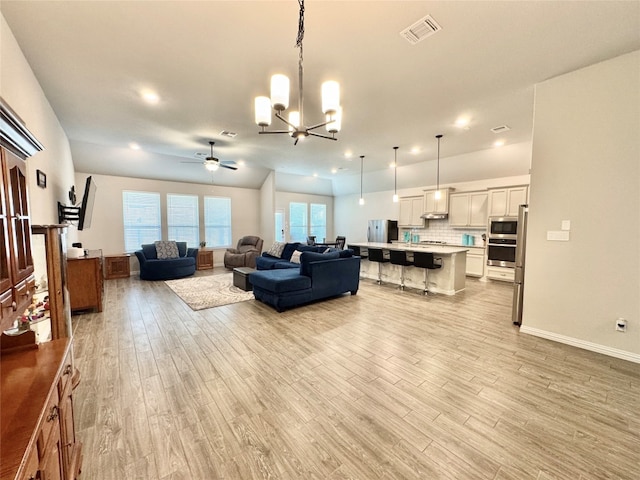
[[117, 266], [205, 259]]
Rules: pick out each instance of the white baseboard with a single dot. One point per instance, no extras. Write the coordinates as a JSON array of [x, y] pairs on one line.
[[575, 342]]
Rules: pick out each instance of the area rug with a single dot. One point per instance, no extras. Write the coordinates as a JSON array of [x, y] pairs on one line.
[[208, 291]]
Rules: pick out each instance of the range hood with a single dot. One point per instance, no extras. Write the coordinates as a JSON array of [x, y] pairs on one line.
[[434, 216]]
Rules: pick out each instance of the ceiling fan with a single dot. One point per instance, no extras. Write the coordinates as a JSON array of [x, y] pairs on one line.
[[212, 163]]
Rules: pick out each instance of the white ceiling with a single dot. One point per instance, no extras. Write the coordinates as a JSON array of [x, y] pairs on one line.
[[209, 59]]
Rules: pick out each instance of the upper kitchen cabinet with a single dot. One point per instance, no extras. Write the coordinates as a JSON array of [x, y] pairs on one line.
[[468, 209], [436, 206], [505, 201], [411, 210]]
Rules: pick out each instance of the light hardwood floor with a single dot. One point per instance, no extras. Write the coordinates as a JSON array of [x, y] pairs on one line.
[[385, 384]]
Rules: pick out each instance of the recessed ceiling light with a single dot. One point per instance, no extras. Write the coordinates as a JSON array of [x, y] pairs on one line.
[[334, 170], [134, 146], [498, 143], [392, 165], [415, 150], [348, 154], [242, 163], [315, 174], [150, 97], [463, 122]]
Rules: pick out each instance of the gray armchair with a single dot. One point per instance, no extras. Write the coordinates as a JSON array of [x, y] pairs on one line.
[[245, 253]]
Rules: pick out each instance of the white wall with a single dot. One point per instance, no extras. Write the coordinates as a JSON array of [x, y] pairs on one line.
[[267, 208], [21, 91], [510, 160], [586, 169], [107, 233]]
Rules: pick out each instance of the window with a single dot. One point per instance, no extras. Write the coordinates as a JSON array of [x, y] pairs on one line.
[[217, 221], [318, 224], [141, 218], [298, 222], [300, 227], [182, 219]]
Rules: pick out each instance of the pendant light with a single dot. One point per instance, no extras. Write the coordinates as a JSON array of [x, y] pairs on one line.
[[361, 201], [438, 194], [395, 174]]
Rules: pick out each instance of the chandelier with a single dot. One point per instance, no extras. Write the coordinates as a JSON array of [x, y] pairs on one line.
[[279, 101]]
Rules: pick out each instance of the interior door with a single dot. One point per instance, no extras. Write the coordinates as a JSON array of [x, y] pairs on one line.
[[279, 225]]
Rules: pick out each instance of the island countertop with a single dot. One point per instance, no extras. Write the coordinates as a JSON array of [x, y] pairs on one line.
[[414, 247]]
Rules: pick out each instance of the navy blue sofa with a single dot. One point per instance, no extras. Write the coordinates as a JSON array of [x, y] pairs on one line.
[[319, 276], [153, 268]]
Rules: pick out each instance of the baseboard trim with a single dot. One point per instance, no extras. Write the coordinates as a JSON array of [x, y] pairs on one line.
[[575, 342]]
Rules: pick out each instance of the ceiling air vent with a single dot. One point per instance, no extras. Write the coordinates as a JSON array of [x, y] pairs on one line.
[[501, 128], [227, 133], [420, 30]]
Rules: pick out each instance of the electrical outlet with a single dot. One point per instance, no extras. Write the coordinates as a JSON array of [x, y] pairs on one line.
[[621, 325]]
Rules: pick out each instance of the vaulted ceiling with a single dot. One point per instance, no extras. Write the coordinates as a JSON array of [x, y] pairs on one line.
[[207, 60]]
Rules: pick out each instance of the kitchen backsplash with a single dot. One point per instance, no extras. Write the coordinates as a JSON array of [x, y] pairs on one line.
[[439, 230]]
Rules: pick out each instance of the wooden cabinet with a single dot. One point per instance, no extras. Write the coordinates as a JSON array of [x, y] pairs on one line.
[[411, 209], [475, 262], [505, 201], [85, 282], [204, 261], [436, 206], [117, 266], [16, 262], [38, 436], [468, 209]]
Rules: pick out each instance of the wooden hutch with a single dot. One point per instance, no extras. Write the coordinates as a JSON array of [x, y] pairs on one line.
[[37, 382]]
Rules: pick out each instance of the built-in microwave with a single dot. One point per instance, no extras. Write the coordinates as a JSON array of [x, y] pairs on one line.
[[503, 227]]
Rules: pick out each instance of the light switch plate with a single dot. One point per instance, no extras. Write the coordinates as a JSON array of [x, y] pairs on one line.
[[566, 225], [558, 236]]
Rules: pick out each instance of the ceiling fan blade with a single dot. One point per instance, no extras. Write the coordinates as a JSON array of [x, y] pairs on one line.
[[191, 162], [228, 166]]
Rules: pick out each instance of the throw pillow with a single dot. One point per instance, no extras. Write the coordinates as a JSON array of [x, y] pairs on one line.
[[166, 250], [289, 248], [276, 249], [295, 257]]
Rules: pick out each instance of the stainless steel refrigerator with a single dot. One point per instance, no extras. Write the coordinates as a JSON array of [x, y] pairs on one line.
[[521, 247], [382, 231]]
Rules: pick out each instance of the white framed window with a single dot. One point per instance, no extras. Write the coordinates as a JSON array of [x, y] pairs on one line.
[[318, 223], [217, 221], [141, 219], [182, 219], [298, 224]]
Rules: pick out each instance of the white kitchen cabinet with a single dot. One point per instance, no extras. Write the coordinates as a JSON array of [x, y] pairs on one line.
[[437, 206], [411, 209], [503, 274], [468, 209], [475, 262], [505, 201]]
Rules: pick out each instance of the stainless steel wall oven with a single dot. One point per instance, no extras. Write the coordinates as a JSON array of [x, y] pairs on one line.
[[501, 247]]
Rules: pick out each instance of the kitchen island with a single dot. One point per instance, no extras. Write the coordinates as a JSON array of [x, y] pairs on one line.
[[448, 280]]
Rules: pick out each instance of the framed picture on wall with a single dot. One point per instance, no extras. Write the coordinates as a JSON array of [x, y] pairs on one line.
[[41, 178]]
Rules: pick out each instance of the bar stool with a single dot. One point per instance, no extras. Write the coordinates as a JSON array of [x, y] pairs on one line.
[[425, 260], [377, 255], [399, 257], [359, 252]]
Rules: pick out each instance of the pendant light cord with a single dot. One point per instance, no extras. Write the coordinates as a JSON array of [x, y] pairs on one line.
[[438, 165], [361, 168], [395, 170]]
